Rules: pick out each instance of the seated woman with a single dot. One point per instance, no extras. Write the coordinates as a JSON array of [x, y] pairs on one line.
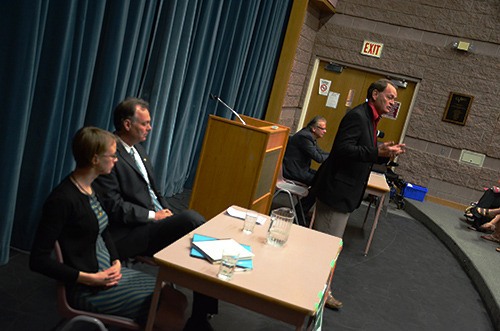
[[492, 214], [492, 225], [73, 216], [489, 199]]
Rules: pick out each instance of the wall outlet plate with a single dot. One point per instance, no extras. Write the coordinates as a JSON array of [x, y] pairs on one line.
[[472, 158]]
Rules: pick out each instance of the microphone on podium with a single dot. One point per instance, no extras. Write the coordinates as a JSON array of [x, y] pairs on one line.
[[380, 134], [216, 98]]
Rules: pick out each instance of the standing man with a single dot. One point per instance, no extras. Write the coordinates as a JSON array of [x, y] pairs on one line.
[[140, 222], [343, 177], [301, 149]]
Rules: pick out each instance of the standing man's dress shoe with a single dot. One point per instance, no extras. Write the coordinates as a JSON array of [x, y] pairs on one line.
[[333, 303]]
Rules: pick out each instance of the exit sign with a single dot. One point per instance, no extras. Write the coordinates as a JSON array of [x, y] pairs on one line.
[[371, 48]]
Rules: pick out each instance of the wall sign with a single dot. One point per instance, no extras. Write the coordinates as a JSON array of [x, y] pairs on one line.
[[371, 48], [324, 86], [457, 108], [333, 99], [393, 114]]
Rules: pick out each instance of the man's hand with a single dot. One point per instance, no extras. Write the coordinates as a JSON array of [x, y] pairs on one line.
[[389, 149], [162, 214]]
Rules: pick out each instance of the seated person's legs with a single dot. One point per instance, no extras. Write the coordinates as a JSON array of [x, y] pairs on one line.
[[308, 201], [203, 305], [161, 234], [148, 238], [165, 232], [133, 244]]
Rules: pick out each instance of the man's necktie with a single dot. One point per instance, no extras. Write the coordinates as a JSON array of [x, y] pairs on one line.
[[142, 169]]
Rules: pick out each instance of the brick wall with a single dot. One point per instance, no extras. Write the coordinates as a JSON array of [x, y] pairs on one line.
[[301, 71], [418, 37]]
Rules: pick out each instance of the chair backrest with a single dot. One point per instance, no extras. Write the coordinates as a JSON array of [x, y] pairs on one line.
[[69, 312], [280, 177]]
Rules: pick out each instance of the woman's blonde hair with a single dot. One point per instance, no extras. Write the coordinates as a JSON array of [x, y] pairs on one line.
[[88, 142]]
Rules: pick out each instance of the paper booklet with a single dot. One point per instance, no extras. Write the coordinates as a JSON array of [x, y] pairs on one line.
[[201, 248], [242, 214]]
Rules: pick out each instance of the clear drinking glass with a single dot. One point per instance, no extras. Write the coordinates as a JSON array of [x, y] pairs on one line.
[[228, 264], [250, 220]]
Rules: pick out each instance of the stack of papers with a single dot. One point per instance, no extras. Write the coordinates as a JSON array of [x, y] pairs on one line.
[[210, 248], [242, 214]]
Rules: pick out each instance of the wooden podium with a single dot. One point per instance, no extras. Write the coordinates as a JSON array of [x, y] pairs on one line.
[[238, 165]]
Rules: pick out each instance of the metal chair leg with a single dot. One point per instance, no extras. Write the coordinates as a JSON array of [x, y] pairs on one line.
[[301, 212], [311, 224], [296, 219]]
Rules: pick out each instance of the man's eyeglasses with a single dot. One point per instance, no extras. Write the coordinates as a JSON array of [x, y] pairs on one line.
[[319, 127]]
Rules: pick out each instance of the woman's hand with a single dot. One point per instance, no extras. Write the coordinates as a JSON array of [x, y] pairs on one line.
[[107, 278]]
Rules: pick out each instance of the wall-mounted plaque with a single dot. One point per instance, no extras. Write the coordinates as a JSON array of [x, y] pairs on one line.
[[457, 108]]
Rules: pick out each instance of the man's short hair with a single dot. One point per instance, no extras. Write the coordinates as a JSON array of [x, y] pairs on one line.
[[126, 110], [380, 85], [314, 122]]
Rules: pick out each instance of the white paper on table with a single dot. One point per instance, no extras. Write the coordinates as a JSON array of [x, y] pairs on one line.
[[241, 214], [213, 248], [373, 173]]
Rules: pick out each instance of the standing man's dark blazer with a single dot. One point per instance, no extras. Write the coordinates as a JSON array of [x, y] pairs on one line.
[[342, 178]]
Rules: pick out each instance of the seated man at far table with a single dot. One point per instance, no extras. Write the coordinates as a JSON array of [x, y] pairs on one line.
[[301, 149]]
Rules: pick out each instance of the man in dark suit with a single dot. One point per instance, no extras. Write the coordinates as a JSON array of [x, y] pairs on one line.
[[140, 222], [342, 178], [301, 149]]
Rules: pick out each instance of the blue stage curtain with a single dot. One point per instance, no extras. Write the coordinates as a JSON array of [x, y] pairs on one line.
[[67, 63], [228, 48]]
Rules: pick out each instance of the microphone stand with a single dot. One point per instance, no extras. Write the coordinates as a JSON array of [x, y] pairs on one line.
[[216, 98]]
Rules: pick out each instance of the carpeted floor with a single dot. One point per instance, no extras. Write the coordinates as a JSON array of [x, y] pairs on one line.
[[409, 281]]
